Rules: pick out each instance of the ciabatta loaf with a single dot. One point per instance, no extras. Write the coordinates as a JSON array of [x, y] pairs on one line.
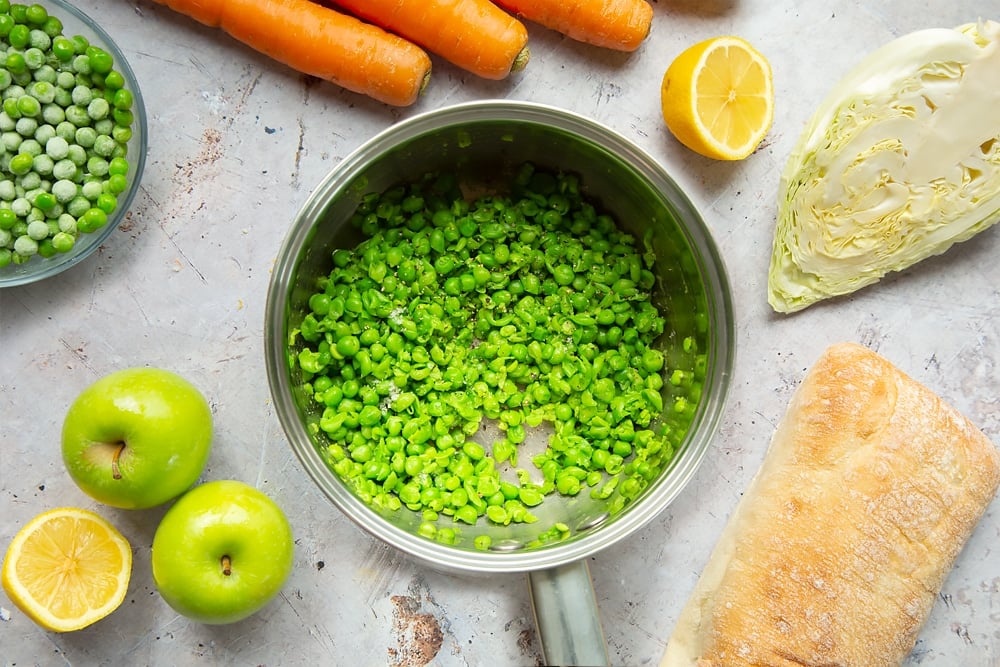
[[869, 490]]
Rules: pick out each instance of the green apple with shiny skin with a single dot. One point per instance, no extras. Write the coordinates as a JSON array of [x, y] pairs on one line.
[[137, 438], [222, 552]]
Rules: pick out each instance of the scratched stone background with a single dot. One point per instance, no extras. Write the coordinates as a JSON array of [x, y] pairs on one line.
[[236, 144]]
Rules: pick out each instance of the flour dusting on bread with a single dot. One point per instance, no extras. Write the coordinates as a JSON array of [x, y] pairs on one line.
[[870, 488]]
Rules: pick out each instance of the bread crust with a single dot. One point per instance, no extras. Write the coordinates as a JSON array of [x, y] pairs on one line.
[[869, 490]]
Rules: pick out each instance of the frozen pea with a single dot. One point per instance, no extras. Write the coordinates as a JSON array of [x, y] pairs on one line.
[[104, 145], [30, 146], [14, 62], [77, 115], [5, 238], [26, 126], [117, 183], [63, 241], [11, 140], [53, 114], [42, 91], [29, 106], [43, 164], [121, 134], [20, 164], [123, 117], [101, 61], [66, 130], [44, 133], [10, 108], [31, 194], [86, 136], [63, 97], [123, 99], [107, 202], [63, 48], [30, 181], [92, 219], [57, 148], [78, 154], [82, 96], [64, 190], [39, 40], [114, 80], [92, 189], [118, 165], [64, 170], [38, 230], [81, 64], [78, 206], [97, 166], [25, 246], [45, 73], [66, 80], [57, 173], [104, 126], [98, 108], [13, 92], [34, 58]]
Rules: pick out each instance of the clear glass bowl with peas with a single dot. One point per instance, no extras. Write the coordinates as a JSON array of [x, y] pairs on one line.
[[72, 138]]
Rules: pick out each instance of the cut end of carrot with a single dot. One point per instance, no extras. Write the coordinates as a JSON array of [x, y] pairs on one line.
[[521, 60], [424, 83]]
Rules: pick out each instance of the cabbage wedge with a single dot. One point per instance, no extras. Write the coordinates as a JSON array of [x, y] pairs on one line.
[[900, 162]]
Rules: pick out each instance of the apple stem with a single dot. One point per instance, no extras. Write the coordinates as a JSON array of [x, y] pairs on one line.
[[227, 566], [115, 470]]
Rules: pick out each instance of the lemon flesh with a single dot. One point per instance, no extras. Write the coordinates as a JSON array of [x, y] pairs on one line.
[[717, 98], [67, 569]]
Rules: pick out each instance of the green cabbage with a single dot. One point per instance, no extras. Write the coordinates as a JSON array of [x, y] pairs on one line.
[[900, 162]]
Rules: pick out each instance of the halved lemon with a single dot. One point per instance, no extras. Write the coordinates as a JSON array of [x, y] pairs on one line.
[[67, 568], [717, 98]]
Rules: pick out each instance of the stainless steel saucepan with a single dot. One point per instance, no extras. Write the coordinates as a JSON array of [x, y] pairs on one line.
[[481, 141]]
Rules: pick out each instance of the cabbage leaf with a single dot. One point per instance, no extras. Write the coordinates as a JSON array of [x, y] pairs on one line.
[[900, 162]]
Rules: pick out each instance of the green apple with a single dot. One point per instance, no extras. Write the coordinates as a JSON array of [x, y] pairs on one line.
[[137, 438], [222, 552]]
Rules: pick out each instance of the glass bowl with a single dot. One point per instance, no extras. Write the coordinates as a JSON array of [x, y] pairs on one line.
[[75, 22], [484, 142]]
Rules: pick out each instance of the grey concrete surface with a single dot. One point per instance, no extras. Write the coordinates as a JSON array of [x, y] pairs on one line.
[[236, 144]]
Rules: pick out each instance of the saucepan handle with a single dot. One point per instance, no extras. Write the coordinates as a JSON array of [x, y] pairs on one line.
[[569, 626]]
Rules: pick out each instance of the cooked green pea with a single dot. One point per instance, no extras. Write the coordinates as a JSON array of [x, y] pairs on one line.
[[518, 311]]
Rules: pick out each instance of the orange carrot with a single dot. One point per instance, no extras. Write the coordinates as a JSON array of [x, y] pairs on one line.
[[475, 35], [321, 42], [614, 24]]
